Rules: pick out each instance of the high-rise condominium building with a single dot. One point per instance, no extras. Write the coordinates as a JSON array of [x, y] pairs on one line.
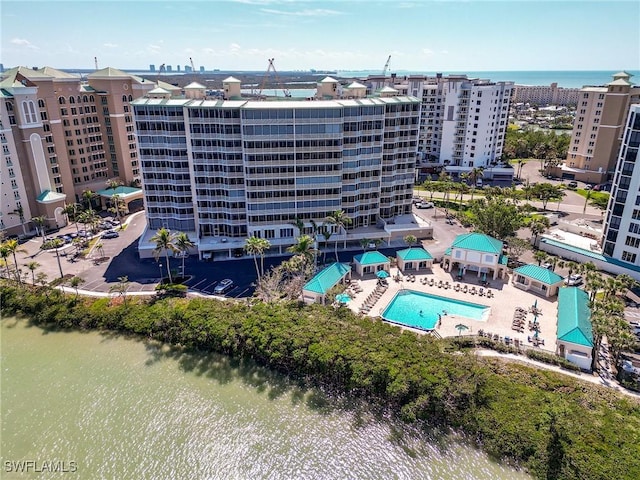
[[64, 135], [224, 170], [463, 120], [597, 129], [543, 95], [622, 227]]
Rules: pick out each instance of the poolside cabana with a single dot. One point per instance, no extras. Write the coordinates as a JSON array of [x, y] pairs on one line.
[[574, 336], [371, 262], [537, 279], [476, 252], [315, 290], [414, 259]]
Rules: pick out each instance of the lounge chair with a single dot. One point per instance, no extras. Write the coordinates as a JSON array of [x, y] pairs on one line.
[[473, 291], [465, 289], [481, 292]]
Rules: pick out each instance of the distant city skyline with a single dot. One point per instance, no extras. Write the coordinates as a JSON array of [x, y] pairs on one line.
[[451, 35]]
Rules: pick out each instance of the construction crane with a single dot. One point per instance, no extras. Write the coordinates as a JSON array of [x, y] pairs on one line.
[[386, 66], [95, 60], [193, 68], [160, 70], [270, 68]]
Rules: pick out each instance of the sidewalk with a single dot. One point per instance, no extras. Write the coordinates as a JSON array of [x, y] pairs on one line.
[[605, 379]]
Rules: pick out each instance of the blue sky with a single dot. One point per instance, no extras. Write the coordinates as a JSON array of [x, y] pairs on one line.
[[420, 35]]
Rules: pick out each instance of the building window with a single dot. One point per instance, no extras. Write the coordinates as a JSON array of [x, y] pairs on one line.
[[628, 257]]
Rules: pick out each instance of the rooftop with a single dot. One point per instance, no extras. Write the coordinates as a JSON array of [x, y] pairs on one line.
[[371, 258], [478, 242], [574, 317], [327, 278], [539, 274], [410, 254]]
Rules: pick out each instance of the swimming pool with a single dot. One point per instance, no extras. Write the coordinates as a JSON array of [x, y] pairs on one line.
[[420, 310]]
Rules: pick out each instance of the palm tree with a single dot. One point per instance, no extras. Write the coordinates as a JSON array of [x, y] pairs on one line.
[[55, 244], [13, 247], [100, 248], [183, 243], [119, 207], [257, 246], [40, 222], [364, 242], [326, 233], [538, 227], [33, 266], [340, 219], [304, 247], [164, 241], [540, 256], [4, 253], [72, 209], [90, 220], [475, 174], [521, 162], [121, 288], [410, 240], [75, 282], [586, 200], [88, 197], [20, 212]]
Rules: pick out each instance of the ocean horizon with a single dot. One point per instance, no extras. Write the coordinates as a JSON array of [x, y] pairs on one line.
[[564, 78]]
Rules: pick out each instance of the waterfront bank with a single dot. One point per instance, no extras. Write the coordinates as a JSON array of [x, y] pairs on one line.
[[123, 408], [542, 420]]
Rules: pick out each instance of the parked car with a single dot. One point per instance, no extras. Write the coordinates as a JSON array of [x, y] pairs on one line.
[[548, 266], [588, 186], [574, 280], [238, 252], [425, 205], [223, 287], [573, 185], [110, 234]]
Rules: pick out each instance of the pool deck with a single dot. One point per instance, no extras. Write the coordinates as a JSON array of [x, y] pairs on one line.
[[506, 298]]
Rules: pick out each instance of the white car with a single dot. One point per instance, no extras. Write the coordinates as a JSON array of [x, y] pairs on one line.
[[223, 287], [424, 205], [574, 280]]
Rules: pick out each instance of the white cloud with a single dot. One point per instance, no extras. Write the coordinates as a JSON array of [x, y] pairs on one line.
[[428, 52], [22, 42], [316, 12], [110, 45]]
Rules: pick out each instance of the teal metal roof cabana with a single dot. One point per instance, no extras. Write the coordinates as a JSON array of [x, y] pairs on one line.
[[574, 334], [476, 252], [371, 262], [316, 289], [574, 317], [541, 280], [478, 242], [414, 259]]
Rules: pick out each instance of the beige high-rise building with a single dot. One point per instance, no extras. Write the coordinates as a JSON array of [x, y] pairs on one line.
[[597, 130], [69, 134]]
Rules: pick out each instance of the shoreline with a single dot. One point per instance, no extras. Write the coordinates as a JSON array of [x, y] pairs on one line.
[[418, 378]]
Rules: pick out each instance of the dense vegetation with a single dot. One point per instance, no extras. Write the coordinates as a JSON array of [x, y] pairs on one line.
[[555, 427]]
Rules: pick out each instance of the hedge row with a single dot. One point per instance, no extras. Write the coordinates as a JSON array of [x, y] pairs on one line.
[[551, 425]]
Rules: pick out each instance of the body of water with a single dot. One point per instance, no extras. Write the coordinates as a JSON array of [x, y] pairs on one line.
[[110, 407], [564, 78]]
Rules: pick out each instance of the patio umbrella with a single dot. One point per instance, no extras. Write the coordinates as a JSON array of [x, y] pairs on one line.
[[343, 298], [460, 327], [484, 277], [535, 304], [382, 274], [460, 271]]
